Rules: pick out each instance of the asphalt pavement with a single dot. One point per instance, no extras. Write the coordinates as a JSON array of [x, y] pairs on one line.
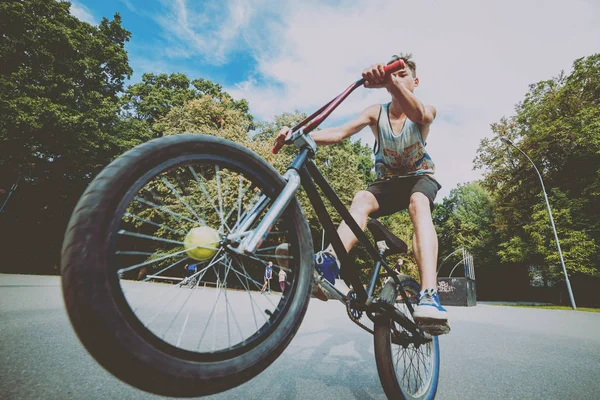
[[493, 352]]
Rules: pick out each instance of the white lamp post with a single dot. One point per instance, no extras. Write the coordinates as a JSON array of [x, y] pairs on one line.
[[509, 142]]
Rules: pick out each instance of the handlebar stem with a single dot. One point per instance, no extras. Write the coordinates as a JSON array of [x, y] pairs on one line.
[[302, 140]]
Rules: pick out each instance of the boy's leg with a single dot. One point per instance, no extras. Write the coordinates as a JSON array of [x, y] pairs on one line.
[[363, 204], [425, 244], [429, 313]]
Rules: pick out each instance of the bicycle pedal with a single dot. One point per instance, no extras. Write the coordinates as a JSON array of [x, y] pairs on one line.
[[433, 328], [318, 292], [379, 301], [323, 290]]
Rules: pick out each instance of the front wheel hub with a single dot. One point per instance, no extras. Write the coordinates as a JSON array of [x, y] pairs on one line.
[[202, 243]]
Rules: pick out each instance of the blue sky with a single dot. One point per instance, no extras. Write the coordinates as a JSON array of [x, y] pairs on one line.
[[475, 58]]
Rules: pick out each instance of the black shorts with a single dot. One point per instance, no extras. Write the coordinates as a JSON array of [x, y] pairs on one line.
[[394, 194]]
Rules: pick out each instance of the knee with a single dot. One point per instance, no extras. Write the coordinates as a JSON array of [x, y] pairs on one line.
[[419, 203], [364, 202]]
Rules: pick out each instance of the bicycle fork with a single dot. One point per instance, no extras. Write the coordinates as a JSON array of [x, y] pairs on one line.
[[252, 239]]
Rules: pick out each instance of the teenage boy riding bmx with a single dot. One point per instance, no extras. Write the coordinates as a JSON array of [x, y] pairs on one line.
[[404, 176]]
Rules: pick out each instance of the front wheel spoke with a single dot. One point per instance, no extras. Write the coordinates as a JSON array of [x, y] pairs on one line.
[[239, 203], [237, 324], [178, 292], [177, 314], [258, 198], [241, 196], [273, 256], [219, 195], [165, 209], [181, 199], [234, 208], [151, 261], [258, 285], [129, 215], [255, 282], [208, 321], [212, 311], [247, 287], [174, 287], [158, 239], [163, 270], [134, 253], [150, 237], [221, 211], [160, 311], [187, 317], [203, 188], [227, 305], [253, 257]]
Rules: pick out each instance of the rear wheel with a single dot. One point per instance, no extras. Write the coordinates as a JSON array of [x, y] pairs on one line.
[[161, 207], [406, 370]]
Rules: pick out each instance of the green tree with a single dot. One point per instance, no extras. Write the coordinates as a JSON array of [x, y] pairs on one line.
[[466, 218], [155, 96], [558, 126], [59, 85]]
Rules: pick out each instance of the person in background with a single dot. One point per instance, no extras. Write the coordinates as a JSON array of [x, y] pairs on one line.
[[268, 276]]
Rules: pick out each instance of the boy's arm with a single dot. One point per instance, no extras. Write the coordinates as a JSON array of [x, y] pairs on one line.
[[414, 109], [335, 135], [375, 77]]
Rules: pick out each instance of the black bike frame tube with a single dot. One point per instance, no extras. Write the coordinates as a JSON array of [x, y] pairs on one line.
[[374, 277], [341, 209], [349, 274], [300, 159]]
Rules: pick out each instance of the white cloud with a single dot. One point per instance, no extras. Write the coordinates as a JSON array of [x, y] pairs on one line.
[[83, 13], [210, 29], [475, 59]]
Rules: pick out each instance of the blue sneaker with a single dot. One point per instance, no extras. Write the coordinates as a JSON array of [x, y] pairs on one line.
[[429, 314], [327, 265]]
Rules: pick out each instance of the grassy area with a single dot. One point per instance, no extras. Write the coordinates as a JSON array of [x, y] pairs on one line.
[[589, 309]]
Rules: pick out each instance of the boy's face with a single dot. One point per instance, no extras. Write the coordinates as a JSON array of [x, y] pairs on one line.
[[406, 78]]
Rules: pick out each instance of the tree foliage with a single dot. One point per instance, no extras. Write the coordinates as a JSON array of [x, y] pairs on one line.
[[466, 219], [155, 96], [59, 85], [558, 126]]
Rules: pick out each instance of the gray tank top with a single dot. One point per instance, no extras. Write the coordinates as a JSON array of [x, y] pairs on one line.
[[400, 155]]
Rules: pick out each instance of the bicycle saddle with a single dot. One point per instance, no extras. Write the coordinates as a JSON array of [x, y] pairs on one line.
[[395, 244]]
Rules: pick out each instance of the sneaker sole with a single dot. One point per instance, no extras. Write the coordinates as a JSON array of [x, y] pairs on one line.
[[434, 327], [318, 293]]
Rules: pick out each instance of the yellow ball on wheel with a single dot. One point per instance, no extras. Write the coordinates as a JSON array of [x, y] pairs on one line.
[[201, 243]]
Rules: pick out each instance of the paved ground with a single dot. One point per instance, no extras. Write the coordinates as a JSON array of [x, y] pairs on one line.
[[494, 352]]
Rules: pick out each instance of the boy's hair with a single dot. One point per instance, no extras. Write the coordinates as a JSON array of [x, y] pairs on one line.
[[407, 60]]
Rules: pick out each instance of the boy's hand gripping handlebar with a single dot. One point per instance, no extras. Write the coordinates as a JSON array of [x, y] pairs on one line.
[[314, 120]]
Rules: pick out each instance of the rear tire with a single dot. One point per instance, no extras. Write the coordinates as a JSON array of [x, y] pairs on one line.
[[409, 371], [96, 299]]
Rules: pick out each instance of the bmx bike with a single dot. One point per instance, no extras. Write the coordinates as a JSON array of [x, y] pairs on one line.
[[198, 197]]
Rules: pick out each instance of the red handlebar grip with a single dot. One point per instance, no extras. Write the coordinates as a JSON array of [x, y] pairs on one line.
[[279, 142], [395, 66]]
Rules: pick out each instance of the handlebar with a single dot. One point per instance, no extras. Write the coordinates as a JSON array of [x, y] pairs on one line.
[[315, 119]]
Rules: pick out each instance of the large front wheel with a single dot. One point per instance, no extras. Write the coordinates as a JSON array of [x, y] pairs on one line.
[[407, 369], [171, 209]]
